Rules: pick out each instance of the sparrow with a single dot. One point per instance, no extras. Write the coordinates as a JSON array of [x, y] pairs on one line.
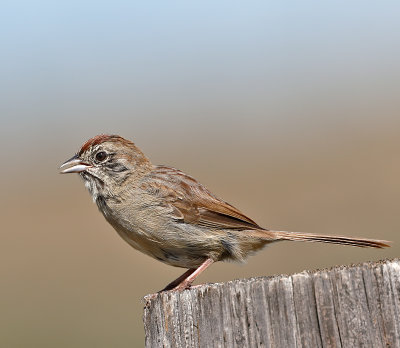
[[169, 215]]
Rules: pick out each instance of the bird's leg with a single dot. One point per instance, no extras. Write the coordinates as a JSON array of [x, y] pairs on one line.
[[178, 280], [186, 283], [186, 279]]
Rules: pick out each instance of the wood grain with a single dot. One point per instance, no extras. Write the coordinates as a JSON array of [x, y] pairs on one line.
[[347, 306]]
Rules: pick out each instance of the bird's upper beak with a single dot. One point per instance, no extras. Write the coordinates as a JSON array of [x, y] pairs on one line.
[[74, 165]]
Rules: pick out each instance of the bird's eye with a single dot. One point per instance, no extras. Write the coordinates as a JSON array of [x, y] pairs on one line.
[[101, 156]]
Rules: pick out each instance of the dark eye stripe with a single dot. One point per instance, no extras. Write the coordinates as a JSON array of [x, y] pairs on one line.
[[117, 167]]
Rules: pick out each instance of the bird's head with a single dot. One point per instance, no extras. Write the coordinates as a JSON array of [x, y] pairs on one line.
[[105, 162]]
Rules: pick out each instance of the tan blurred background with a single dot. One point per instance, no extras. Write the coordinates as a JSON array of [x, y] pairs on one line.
[[290, 113]]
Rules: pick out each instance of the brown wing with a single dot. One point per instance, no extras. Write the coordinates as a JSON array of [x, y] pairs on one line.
[[192, 202]]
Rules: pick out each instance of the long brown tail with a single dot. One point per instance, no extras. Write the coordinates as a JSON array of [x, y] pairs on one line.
[[308, 237]]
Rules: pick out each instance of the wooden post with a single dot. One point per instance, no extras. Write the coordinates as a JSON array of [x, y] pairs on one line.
[[347, 306]]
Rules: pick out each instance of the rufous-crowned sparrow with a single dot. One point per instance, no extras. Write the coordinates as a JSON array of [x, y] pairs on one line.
[[168, 215]]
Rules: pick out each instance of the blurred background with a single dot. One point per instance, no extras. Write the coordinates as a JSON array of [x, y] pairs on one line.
[[289, 111]]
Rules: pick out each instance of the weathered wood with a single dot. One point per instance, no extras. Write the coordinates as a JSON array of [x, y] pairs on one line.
[[353, 306]]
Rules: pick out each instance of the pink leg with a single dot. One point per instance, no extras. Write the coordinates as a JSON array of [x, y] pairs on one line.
[[191, 276], [179, 280]]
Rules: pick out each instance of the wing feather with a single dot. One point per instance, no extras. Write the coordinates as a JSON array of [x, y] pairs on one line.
[[192, 203]]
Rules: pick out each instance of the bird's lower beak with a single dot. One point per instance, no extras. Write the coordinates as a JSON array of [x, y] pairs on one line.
[[74, 165]]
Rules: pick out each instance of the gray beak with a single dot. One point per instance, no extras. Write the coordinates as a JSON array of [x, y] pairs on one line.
[[74, 165]]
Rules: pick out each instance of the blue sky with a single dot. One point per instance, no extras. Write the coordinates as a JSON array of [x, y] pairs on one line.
[[67, 62]]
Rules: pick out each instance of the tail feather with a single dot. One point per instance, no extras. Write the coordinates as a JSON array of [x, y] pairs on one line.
[[308, 237]]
